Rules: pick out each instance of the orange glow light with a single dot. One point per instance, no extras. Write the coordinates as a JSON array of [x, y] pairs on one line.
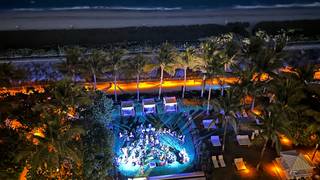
[[256, 111], [316, 75], [126, 86], [261, 77], [285, 141], [23, 175], [248, 100], [13, 124], [248, 172], [39, 132], [71, 112], [288, 69], [274, 170]]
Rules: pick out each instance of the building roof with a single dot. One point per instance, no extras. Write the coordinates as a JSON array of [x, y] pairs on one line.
[[294, 161]]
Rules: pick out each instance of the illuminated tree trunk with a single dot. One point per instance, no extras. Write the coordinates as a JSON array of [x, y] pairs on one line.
[[161, 81], [203, 85], [94, 79], [208, 102], [185, 82], [252, 104], [262, 153], [225, 132], [115, 88], [138, 83]]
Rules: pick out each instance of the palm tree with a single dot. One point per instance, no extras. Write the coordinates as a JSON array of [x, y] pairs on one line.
[[187, 59], [292, 96], [136, 67], [70, 67], [212, 62], [165, 61], [306, 73], [66, 94], [225, 107], [263, 55], [92, 65], [273, 125], [114, 64], [285, 93], [54, 136]]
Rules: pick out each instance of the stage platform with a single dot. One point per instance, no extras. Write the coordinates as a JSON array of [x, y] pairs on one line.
[[186, 176]]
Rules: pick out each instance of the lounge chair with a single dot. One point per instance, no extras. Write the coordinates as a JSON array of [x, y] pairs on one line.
[[243, 140], [206, 124], [221, 161], [215, 162], [239, 164], [215, 140]]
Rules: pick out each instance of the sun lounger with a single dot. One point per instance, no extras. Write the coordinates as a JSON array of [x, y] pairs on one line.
[[206, 124], [215, 162], [239, 164], [243, 140], [221, 161], [215, 140]]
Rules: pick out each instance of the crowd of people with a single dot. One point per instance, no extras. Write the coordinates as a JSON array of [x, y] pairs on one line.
[[145, 145]]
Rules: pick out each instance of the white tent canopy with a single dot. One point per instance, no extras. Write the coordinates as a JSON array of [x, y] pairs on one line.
[[127, 108], [149, 105], [294, 161], [170, 103], [294, 164]]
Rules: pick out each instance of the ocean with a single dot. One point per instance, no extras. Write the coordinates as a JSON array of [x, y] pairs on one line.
[[150, 5]]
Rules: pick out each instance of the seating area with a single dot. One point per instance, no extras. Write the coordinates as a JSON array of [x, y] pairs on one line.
[[218, 162]]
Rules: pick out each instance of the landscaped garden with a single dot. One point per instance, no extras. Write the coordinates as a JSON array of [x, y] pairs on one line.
[[75, 120]]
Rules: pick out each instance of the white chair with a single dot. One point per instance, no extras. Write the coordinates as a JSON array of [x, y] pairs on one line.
[[215, 140], [239, 164], [243, 140], [215, 162], [221, 161]]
